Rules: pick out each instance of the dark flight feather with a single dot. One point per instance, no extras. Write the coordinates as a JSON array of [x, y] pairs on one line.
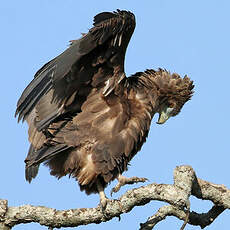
[[73, 69], [85, 117], [31, 172]]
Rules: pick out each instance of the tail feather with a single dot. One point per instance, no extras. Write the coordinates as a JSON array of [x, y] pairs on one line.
[[31, 172], [36, 157]]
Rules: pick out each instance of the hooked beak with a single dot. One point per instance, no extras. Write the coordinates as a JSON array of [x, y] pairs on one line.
[[164, 115]]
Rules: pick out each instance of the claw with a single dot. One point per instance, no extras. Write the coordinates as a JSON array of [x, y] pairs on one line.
[[103, 204], [115, 189]]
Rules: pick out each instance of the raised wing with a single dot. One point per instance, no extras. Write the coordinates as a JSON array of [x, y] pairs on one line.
[[96, 60]]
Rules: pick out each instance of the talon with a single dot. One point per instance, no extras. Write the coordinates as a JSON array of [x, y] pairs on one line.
[[103, 204], [112, 191], [115, 189]]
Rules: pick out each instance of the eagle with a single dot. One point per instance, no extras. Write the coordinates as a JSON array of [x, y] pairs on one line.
[[86, 118]]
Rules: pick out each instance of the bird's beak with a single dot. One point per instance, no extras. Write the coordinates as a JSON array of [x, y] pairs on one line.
[[164, 115]]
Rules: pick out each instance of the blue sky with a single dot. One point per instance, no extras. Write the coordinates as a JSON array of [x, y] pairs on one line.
[[187, 37]]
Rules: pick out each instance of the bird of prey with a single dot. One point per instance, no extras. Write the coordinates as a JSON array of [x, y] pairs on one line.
[[86, 118]]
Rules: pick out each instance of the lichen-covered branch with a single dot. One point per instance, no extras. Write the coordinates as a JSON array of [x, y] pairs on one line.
[[177, 195], [202, 220]]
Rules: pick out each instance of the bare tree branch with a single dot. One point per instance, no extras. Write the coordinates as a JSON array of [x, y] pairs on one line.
[[202, 220], [177, 195]]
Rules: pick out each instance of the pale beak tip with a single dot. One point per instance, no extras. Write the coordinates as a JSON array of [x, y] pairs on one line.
[[159, 123]]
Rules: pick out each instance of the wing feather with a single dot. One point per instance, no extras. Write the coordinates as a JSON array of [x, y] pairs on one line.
[[76, 84], [80, 63]]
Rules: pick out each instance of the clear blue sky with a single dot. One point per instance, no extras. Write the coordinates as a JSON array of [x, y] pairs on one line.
[[188, 37]]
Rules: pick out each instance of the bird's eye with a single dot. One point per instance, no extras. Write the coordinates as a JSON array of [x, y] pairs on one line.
[[169, 110]]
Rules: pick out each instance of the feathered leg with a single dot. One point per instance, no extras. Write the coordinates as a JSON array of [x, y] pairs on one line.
[[122, 180], [103, 198]]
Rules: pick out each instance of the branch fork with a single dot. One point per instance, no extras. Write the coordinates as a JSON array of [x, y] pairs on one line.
[[177, 196]]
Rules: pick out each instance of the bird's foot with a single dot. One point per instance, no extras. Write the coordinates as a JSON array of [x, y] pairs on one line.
[[124, 180], [103, 204], [103, 199]]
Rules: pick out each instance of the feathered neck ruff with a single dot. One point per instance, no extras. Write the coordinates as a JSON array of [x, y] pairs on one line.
[[164, 83]]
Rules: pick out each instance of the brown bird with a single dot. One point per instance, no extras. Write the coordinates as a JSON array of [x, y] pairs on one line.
[[86, 118]]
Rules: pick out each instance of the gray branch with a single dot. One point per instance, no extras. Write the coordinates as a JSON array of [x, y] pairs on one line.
[[176, 195]]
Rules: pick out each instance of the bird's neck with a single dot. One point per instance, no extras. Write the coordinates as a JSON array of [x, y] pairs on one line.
[[142, 107], [144, 97]]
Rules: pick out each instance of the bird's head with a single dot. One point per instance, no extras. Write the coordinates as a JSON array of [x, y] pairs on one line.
[[169, 108], [173, 93]]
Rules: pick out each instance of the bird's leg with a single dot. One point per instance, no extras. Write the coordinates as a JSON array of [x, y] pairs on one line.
[[103, 198], [122, 180]]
